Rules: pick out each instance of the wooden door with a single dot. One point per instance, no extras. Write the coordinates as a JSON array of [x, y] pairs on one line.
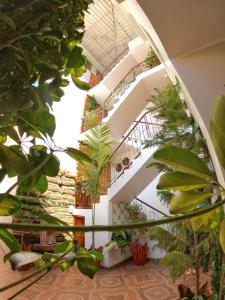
[[79, 236]]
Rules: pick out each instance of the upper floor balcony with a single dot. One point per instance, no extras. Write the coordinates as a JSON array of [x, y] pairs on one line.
[[95, 116]]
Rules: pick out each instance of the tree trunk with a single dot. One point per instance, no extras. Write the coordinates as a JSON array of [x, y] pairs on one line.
[[93, 223], [196, 265]]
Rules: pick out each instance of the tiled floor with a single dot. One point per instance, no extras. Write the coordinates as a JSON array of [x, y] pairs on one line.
[[124, 282]]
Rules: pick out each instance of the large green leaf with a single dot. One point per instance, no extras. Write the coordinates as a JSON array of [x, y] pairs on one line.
[[41, 184], [217, 127], [183, 202], [208, 221], [51, 168], [75, 58], [22, 258], [78, 155], [9, 240], [11, 160], [80, 84], [96, 254], [63, 247], [45, 121], [180, 181], [182, 160], [87, 265], [222, 235], [9, 205]]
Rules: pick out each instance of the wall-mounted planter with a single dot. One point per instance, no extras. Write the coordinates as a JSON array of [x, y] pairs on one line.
[[126, 161], [119, 167], [83, 200]]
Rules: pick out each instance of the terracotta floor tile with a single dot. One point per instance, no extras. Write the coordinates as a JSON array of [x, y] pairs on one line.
[[124, 282]]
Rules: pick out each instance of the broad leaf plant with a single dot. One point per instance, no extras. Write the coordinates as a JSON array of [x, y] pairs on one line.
[[39, 49]]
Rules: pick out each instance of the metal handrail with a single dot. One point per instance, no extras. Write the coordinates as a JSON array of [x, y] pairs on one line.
[[152, 207], [127, 135], [132, 144], [106, 103]]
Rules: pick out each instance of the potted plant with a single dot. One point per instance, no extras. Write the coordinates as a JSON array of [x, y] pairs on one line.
[[151, 59], [135, 239], [139, 253], [126, 161], [119, 167]]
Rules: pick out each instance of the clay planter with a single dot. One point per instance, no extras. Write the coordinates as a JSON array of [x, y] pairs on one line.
[[119, 167], [139, 254], [126, 161]]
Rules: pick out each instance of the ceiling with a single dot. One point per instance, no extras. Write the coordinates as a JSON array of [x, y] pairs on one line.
[[106, 35], [188, 25]]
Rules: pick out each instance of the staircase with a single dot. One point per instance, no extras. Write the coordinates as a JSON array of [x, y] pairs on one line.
[[129, 161]]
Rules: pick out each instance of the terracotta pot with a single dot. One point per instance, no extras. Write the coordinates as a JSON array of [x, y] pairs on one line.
[[139, 254], [119, 167], [126, 161]]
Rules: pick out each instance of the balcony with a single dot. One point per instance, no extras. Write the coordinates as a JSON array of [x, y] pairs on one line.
[[93, 118]]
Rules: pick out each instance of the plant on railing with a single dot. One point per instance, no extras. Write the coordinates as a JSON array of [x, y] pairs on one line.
[[151, 59], [195, 183], [93, 103]]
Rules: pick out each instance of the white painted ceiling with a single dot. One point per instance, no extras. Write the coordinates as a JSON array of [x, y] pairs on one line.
[[107, 34]]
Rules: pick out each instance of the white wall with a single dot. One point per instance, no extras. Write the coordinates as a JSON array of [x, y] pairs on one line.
[[204, 75], [133, 101], [187, 77], [149, 195], [138, 52]]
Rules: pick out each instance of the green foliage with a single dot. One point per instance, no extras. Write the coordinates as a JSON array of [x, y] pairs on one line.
[[217, 126], [178, 263], [178, 126], [39, 46], [97, 143], [9, 240], [135, 214], [187, 201], [182, 160], [178, 181], [183, 202], [151, 58], [93, 103], [122, 239], [9, 205]]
